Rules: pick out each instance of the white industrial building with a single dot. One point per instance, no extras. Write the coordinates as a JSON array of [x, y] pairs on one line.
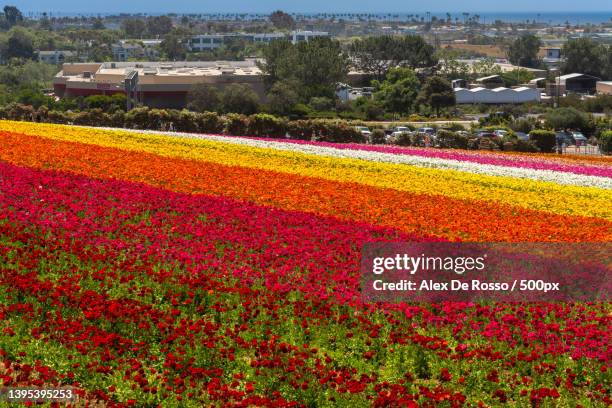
[[498, 95]]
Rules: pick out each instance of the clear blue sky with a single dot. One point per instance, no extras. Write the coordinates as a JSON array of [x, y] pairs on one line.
[[408, 6]]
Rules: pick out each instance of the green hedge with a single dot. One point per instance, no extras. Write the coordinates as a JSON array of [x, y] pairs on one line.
[[545, 140], [265, 125], [605, 142]]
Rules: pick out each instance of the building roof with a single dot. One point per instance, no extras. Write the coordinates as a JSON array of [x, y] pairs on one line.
[[488, 77], [563, 78]]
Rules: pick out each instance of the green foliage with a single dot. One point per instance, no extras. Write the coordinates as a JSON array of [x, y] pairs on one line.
[[262, 124], [585, 56], [421, 364], [451, 140], [566, 118], [378, 136], [321, 103], [437, 93], [203, 97], [377, 55], [240, 98], [210, 122], [516, 77], [545, 140], [282, 98], [316, 65], [105, 102], [398, 92], [236, 124], [282, 20], [524, 51], [605, 142]]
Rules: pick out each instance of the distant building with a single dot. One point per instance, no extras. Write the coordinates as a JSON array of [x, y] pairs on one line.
[[499, 95], [491, 81], [552, 57], [459, 83], [345, 92], [300, 36], [160, 84], [56, 57], [204, 42], [604, 87], [125, 50], [572, 83]]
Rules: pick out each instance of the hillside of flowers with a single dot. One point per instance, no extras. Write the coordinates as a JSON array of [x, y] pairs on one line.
[[187, 270]]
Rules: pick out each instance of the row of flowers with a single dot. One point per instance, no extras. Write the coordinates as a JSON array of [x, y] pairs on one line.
[[447, 208], [143, 296], [546, 196]]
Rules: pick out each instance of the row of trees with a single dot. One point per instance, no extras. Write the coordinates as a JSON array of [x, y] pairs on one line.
[[581, 55]]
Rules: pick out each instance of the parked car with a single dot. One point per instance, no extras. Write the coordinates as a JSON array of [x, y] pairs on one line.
[[522, 136], [427, 130], [579, 138], [484, 133], [398, 130], [500, 133], [364, 130], [571, 138]]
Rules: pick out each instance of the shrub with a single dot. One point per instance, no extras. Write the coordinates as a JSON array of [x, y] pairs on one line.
[[187, 121], [566, 118], [94, 117], [262, 124], [236, 124], [451, 140], [605, 142], [137, 118], [378, 136], [300, 130], [336, 132], [545, 140], [210, 122], [403, 139], [18, 111]]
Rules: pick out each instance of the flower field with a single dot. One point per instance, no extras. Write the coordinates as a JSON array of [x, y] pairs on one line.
[[149, 269]]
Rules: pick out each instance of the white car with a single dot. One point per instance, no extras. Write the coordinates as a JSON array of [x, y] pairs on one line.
[[364, 130], [500, 133], [427, 130], [398, 130]]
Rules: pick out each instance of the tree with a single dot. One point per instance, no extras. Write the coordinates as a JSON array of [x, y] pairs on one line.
[[173, 47], [203, 97], [437, 93], [159, 25], [566, 118], [134, 27], [282, 97], [282, 20], [398, 92], [584, 56], [20, 44], [12, 15], [98, 24], [316, 65], [240, 98], [377, 55], [524, 51]]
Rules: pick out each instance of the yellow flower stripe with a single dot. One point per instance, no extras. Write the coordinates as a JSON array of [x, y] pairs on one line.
[[539, 195]]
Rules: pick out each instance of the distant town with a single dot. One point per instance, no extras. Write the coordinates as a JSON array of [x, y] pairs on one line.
[[354, 67]]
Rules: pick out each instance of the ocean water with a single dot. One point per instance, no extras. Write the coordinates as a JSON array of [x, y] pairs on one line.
[[557, 17]]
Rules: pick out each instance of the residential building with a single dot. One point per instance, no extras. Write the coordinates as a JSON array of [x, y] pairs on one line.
[[56, 57]]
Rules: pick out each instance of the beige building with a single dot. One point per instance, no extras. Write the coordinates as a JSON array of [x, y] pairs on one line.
[[604, 87], [159, 84]]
